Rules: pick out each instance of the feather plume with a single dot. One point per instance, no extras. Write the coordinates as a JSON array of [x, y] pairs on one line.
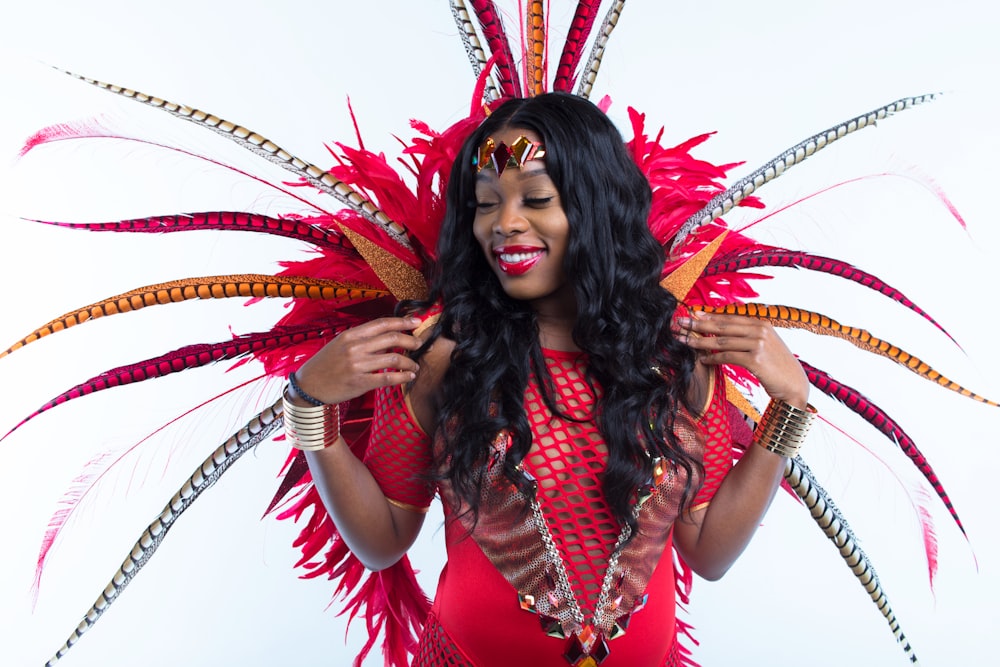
[[762, 255], [829, 518], [248, 285], [181, 359], [877, 417], [492, 28], [579, 32], [589, 73], [473, 49], [267, 149], [724, 202], [796, 318], [535, 56], [208, 473], [313, 230]]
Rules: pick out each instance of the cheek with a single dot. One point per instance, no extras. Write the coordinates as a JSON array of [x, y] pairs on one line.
[[481, 232], [557, 229]]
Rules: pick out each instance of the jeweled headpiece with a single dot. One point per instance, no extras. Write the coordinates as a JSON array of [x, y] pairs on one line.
[[499, 156]]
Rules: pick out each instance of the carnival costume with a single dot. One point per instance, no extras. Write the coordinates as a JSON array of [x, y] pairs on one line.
[[373, 248]]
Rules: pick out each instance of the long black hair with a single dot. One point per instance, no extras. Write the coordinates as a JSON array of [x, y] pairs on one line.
[[623, 322]]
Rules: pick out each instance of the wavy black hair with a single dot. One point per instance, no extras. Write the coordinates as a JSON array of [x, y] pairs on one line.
[[623, 322]]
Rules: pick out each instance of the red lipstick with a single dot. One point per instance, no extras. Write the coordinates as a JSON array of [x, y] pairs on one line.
[[516, 260]]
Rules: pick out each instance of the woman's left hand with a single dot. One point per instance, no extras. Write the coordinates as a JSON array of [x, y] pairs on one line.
[[752, 344]]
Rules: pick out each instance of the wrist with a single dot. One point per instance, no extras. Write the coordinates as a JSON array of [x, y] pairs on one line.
[[310, 424], [299, 396], [783, 428]]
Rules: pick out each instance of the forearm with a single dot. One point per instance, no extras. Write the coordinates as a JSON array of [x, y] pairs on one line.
[[720, 532], [377, 532], [710, 540]]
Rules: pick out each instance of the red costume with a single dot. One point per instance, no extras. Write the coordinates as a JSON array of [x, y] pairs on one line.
[[373, 243], [544, 572]]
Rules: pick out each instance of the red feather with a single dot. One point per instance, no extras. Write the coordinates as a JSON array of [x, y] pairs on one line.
[[579, 31], [492, 27], [317, 230], [874, 415], [762, 255]]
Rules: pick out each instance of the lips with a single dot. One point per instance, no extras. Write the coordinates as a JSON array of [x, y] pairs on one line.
[[517, 260]]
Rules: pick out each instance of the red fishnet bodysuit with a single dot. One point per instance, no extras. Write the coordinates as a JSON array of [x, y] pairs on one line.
[[477, 618]]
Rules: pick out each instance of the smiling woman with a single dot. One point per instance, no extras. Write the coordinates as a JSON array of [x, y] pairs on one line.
[[520, 222], [222, 568]]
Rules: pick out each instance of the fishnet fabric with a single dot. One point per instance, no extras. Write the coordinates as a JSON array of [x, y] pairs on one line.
[[568, 458], [437, 649], [399, 453], [718, 441]]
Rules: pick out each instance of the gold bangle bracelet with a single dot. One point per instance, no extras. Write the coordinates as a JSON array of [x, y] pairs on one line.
[[310, 428], [783, 428]]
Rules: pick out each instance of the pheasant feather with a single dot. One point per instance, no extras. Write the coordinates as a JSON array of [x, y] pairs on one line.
[[874, 415], [267, 149], [496, 39], [210, 287], [796, 318], [826, 514], [259, 429], [182, 359], [725, 201], [473, 47], [308, 230], [589, 74], [579, 31], [758, 256], [534, 50]]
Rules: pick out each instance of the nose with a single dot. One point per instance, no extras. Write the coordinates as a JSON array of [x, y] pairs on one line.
[[510, 220]]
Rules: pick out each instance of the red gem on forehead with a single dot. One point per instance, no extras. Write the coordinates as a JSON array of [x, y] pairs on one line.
[[499, 156]]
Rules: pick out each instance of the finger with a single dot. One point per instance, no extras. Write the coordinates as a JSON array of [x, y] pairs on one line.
[[389, 361], [722, 324], [381, 326], [391, 340], [731, 357], [389, 379]]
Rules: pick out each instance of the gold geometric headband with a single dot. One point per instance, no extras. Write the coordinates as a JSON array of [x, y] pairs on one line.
[[500, 156]]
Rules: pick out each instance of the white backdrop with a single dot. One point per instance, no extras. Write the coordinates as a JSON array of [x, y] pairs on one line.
[[222, 590]]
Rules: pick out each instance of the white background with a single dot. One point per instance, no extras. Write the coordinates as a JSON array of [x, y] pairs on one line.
[[765, 75]]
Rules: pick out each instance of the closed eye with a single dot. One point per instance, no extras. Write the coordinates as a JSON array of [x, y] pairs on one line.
[[538, 202]]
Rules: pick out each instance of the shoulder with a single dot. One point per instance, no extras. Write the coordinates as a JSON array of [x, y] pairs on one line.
[[424, 391], [699, 392]]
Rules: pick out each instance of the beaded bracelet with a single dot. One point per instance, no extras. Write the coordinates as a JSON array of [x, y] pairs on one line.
[[293, 383], [783, 428], [310, 428]]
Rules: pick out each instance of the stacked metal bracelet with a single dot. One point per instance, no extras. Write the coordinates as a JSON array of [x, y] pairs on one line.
[[309, 428], [783, 428]]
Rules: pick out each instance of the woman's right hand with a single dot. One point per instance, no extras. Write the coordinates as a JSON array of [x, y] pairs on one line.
[[366, 357]]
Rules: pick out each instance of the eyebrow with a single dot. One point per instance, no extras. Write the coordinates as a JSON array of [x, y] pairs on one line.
[[522, 175]]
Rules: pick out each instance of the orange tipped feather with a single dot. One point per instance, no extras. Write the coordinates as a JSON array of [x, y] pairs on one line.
[[796, 318], [210, 287]]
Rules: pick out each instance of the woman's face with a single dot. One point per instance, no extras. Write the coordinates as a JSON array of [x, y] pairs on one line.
[[522, 228]]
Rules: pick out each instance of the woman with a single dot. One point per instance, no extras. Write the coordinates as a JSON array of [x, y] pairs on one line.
[[568, 419]]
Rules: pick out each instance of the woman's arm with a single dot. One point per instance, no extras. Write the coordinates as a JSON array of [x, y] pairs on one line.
[[710, 539], [367, 357]]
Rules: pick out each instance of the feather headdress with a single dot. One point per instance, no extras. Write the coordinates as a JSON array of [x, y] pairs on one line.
[[370, 245]]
